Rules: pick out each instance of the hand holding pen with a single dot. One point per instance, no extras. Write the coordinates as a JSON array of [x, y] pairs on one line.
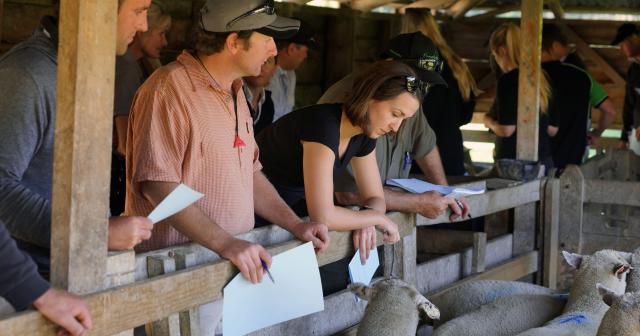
[[464, 206]]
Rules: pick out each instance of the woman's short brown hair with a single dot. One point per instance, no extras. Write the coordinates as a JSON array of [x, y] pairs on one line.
[[382, 80]]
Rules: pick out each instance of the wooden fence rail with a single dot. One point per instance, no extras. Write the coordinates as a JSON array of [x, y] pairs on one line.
[[122, 308]]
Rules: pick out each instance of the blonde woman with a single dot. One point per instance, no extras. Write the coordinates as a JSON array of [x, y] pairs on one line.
[[446, 107], [146, 46], [502, 119]]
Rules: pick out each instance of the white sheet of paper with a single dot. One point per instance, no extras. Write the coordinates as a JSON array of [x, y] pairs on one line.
[[363, 273], [180, 198], [297, 291], [417, 186]]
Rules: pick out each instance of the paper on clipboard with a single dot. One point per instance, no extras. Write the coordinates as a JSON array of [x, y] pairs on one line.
[[297, 291], [417, 186], [180, 198]]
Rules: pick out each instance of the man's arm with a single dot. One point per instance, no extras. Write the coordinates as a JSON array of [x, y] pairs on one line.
[[23, 123], [20, 282], [430, 204], [431, 166], [22, 286], [607, 117], [270, 206], [195, 224]]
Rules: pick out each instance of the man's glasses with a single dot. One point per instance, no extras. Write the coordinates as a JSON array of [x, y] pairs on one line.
[[413, 85], [268, 8]]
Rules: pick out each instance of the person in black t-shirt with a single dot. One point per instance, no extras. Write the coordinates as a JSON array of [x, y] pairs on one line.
[[572, 91], [628, 40], [503, 117], [555, 47], [446, 107], [301, 151]]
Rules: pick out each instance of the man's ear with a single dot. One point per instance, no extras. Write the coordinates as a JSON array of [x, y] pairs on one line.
[[361, 290], [232, 43]]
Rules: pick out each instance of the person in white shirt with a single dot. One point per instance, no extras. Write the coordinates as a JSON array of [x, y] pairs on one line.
[[291, 53]]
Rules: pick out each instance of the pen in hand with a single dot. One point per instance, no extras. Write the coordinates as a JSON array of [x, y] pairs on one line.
[[266, 268], [461, 206]]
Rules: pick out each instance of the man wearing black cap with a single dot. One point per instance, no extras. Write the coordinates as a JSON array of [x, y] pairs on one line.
[[415, 141], [190, 123], [291, 53], [628, 39]]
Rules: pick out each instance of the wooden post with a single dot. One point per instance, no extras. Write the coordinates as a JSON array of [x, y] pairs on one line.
[[524, 228], [478, 259], [82, 153], [551, 224], [570, 219], [529, 80], [189, 319], [170, 326], [1, 18], [400, 258]]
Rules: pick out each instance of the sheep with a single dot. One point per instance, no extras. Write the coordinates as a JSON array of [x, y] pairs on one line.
[[585, 309], [633, 279], [470, 296], [394, 308], [623, 316], [506, 316]]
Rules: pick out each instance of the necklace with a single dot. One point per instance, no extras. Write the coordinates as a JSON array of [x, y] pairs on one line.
[[237, 143]]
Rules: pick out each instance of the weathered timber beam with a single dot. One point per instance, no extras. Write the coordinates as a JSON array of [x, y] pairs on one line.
[[492, 202], [461, 7], [433, 4], [529, 80], [556, 7], [492, 13], [367, 5], [585, 51], [513, 269], [82, 151], [612, 192]]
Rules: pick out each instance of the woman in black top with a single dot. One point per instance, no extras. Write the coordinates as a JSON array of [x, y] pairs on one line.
[[446, 107], [503, 117], [302, 150]]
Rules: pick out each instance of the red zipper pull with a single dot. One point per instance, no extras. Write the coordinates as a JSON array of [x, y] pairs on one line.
[[238, 142]]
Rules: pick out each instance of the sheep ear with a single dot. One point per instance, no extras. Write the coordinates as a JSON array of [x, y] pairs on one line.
[[361, 290], [608, 296], [573, 259], [425, 307], [626, 256]]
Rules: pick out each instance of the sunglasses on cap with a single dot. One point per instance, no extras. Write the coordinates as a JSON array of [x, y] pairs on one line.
[[413, 85], [268, 7], [428, 62]]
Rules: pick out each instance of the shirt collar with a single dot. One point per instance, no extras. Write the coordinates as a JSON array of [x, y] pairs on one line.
[[199, 76]]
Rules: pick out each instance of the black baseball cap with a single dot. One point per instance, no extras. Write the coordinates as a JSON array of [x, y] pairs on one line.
[[304, 36], [237, 15], [625, 30], [419, 52]]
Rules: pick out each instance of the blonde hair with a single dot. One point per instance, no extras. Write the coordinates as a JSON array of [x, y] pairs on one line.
[[156, 18], [418, 19], [507, 35]]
